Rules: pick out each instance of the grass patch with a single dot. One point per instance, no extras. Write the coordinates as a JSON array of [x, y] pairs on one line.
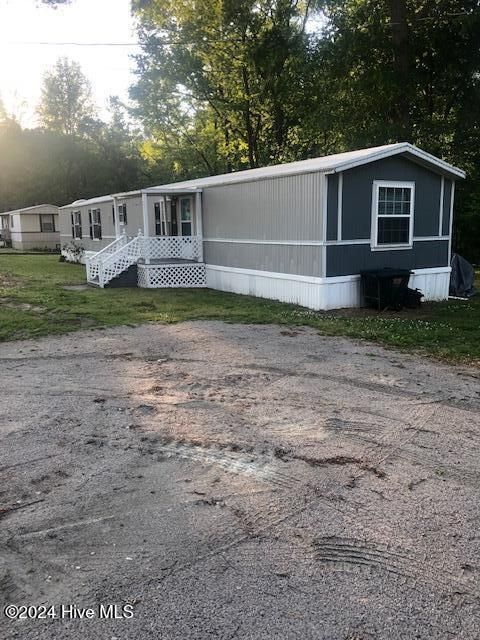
[[34, 303]]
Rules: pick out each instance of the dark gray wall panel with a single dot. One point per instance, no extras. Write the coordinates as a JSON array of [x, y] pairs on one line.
[[357, 196], [343, 260], [447, 194], [300, 260], [332, 206]]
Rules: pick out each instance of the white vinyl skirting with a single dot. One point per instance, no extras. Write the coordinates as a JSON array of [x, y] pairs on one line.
[[316, 293]]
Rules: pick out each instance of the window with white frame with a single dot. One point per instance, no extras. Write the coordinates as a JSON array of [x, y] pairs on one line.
[[47, 223], [392, 219], [94, 217], [76, 224], [186, 216]]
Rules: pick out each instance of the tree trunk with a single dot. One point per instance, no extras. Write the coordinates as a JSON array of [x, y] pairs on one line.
[[248, 120], [401, 64]]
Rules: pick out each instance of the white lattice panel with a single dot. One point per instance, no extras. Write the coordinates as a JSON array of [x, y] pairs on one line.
[[171, 276], [122, 253], [94, 263], [119, 261], [183, 247]]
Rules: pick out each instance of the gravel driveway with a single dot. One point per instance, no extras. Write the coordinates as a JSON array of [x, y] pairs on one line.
[[226, 481]]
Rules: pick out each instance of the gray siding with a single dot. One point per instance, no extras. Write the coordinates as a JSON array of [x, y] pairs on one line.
[[351, 259], [357, 197], [287, 208], [299, 260], [447, 194], [108, 229]]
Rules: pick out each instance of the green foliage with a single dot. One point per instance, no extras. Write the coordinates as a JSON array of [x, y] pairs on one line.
[[66, 102], [73, 155], [225, 81]]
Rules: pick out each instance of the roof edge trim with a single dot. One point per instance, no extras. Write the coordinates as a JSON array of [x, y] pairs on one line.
[[404, 147]]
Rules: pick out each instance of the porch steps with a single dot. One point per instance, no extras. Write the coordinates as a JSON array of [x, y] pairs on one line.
[[128, 278], [148, 262]]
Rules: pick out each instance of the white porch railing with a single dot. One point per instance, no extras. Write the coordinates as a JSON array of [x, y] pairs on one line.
[[164, 247], [116, 263], [123, 252], [93, 263]]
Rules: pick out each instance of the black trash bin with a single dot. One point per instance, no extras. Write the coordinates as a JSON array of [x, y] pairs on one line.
[[385, 288]]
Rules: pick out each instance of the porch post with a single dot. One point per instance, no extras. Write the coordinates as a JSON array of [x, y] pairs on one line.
[[199, 224], [146, 230], [117, 221]]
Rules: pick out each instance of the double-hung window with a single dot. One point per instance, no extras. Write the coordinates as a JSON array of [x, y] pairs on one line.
[[392, 214], [95, 221], [186, 216], [77, 224], [47, 223]]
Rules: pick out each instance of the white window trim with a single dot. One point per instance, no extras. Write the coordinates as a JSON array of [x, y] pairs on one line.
[[374, 233]]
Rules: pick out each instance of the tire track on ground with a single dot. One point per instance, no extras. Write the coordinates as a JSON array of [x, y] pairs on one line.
[[354, 554]]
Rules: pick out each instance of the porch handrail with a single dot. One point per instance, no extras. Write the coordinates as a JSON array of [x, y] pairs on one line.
[[183, 247], [119, 255], [115, 245], [93, 263], [115, 263]]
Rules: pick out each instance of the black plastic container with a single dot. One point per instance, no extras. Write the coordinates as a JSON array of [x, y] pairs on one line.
[[385, 288]]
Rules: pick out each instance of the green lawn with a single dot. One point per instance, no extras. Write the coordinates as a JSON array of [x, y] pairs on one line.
[[33, 302]]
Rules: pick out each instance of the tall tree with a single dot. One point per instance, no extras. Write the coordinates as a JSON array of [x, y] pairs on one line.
[[66, 102], [224, 78]]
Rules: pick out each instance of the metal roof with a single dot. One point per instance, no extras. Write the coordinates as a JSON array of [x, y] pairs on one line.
[[333, 163], [82, 203], [29, 209], [328, 164]]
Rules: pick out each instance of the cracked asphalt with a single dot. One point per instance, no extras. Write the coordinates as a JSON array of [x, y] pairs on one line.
[[230, 481]]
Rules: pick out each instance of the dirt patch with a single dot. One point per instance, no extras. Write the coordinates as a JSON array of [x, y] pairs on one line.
[[21, 306], [7, 281], [75, 287], [234, 484]]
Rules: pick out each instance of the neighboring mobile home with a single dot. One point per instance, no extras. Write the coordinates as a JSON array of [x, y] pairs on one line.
[[31, 228], [300, 232]]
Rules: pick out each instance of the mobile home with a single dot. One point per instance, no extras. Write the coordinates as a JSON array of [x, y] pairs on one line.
[[300, 232], [31, 228]]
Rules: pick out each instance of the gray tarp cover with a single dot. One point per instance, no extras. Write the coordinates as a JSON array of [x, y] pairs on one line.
[[462, 277]]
